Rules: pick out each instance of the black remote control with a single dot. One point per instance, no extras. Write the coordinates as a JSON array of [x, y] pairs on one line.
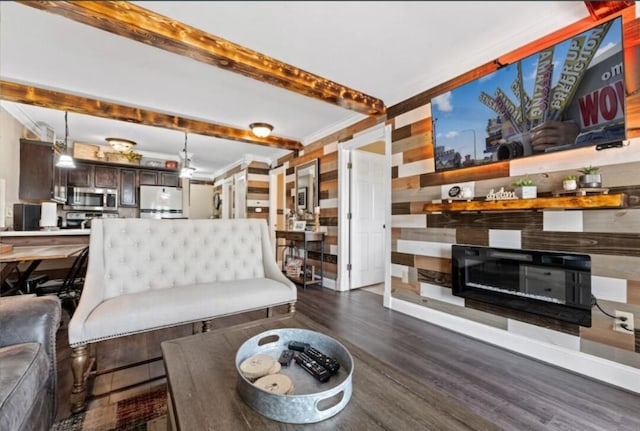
[[326, 361], [312, 367], [298, 345], [285, 357]]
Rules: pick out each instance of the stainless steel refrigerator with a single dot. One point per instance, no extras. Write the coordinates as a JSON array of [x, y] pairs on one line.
[[160, 202]]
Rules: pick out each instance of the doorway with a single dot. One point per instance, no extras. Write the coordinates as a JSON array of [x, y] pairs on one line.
[[227, 198], [365, 209], [277, 208]]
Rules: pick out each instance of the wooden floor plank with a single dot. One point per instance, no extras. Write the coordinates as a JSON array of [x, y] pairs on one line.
[[510, 390]]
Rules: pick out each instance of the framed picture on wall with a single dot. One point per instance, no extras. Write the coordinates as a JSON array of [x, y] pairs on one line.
[[302, 198]]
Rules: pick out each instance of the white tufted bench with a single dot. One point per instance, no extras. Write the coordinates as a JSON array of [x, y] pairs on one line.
[[146, 274]]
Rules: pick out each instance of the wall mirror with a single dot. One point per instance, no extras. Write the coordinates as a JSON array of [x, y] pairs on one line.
[[307, 179]]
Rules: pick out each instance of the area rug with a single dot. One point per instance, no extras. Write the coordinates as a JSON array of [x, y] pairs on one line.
[[144, 412]]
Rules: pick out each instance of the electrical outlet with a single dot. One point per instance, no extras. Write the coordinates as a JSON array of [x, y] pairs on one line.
[[629, 322]]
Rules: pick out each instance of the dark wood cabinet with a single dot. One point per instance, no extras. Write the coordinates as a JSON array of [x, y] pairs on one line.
[[148, 178], [81, 176], [128, 187], [169, 179], [106, 177], [40, 178], [86, 175], [36, 171]]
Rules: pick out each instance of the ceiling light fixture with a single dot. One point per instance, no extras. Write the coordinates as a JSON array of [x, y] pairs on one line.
[[261, 130], [121, 145], [65, 161], [186, 171]]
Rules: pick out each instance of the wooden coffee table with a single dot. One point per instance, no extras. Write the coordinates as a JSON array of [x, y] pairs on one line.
[[202, 377]]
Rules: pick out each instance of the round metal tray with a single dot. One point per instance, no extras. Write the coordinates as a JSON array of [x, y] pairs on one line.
[[311, 401]]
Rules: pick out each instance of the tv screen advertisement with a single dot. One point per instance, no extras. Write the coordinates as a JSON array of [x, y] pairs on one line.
[[566, 96]]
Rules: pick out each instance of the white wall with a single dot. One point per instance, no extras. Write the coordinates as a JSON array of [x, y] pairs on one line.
[[200, 201], [10, 134]]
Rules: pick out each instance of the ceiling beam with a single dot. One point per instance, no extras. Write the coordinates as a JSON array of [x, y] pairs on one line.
[[30, 95], [133, 22], [602, 9]]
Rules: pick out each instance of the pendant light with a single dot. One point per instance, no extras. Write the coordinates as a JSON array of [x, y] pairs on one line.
[[186, 171], [65, 161]]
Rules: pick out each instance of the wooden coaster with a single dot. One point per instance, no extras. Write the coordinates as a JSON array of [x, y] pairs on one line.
[[257, 366], [275, 369], [276, 383]]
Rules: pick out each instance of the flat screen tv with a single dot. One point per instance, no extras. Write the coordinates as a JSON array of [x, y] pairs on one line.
[[566, 96]]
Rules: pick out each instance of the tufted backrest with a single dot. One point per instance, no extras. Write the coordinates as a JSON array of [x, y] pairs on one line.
[[144, 254]]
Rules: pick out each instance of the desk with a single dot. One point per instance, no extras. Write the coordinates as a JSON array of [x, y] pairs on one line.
[[35, 255], [306, 238]]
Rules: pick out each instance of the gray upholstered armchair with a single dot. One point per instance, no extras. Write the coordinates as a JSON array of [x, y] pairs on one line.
[[28, 378]]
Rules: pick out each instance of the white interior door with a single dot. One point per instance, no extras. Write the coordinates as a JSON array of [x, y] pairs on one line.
[[367, 192], [227, 198], [240, 202]]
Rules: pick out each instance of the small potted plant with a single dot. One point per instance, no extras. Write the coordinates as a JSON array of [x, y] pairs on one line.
[[569, 183], [590, 177], [526, 188], [133, 157]]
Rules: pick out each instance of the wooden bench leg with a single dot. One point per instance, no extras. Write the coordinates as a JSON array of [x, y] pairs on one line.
[[292, 307], [80, 369]]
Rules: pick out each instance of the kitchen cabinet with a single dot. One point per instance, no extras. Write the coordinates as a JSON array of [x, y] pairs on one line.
[[86, 175], [169, 179], [105, 177], [148, 178], [81, 176], [153, 178], [40, 180], [128, 187]]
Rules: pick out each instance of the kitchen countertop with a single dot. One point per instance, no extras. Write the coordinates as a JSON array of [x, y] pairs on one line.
[[60, 232]]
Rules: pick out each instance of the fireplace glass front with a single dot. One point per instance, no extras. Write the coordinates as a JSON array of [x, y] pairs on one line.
[[551, 284]]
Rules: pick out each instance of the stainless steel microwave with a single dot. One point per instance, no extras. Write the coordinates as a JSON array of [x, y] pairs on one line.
[[79, 198]]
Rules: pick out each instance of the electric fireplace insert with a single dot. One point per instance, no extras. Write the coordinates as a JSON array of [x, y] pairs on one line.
[[552, 284]]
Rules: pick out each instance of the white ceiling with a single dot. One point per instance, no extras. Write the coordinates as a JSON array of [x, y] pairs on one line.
[[388, 50]]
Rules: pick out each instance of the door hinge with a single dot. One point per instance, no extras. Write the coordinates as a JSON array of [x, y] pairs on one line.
[[348, 267], [348, 216], [349, 165]]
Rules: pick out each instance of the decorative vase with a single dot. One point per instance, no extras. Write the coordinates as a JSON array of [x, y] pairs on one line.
[[569, 185], [591, 181], [527, 192]]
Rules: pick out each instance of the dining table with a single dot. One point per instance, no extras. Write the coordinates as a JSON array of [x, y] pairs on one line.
[[34, 255]]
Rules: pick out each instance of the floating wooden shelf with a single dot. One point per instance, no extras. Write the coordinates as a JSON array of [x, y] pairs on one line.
[[618, 200]]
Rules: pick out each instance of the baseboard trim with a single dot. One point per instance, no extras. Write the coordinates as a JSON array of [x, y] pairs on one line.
[[610, 372]]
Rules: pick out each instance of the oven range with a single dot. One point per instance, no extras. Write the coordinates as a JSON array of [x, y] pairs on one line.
[[79, 220]]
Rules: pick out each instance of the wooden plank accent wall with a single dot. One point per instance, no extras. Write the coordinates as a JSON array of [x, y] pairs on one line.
[[257, 188], [421, 242]]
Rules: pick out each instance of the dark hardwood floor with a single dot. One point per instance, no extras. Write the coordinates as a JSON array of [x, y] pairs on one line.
[[510, 390]]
